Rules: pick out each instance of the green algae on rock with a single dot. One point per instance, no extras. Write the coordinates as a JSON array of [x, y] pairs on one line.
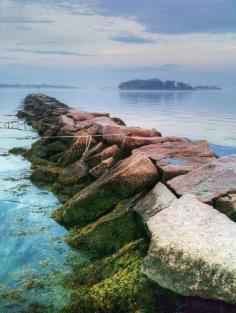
[[126, 178], [110, 232], [45, 174], [192, 250], [111, 205], [113, 284]]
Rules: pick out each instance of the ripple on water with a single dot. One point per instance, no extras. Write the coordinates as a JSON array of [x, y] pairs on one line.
[[33, 252]]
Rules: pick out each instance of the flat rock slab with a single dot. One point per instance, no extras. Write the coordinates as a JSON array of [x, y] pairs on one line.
[[124, 179], [208, 182], [193, 250], [178, 156], [158, 199]]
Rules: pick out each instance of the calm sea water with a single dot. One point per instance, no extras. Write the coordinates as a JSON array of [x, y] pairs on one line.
[[34, 257]]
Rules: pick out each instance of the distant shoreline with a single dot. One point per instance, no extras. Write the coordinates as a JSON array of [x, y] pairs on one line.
[[158, 85], [36, 86]]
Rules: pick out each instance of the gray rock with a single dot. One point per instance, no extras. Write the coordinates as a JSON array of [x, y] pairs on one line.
[[158, 199], [208, 182], [193, 250]]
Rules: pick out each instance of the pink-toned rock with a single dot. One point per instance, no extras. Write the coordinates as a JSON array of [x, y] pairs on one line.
[[80, 116], [117, 133], [178, 156], [95, 149], [124, 179], [76, 151], [65, 120], [99, 122], [102, 167], [94, 160], [91, 131], [67, 130], [131, 143], [209, 182]]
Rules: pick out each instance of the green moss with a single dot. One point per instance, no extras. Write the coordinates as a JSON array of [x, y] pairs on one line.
[[70, 188], [48, 174], [110, 232], [83, 208], [190, 276], [18, 151], [113, 284], [57, 215]]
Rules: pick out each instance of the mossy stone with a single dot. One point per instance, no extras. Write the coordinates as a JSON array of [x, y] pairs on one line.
[[113, 284], [47, 174], [110, 232]]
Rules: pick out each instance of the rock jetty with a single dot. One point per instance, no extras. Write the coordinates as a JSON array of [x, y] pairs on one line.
[[154, 214]]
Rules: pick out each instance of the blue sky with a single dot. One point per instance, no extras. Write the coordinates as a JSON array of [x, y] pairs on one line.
[[103, 42]]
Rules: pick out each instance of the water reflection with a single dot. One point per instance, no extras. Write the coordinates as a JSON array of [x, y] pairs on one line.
[[152, 97]]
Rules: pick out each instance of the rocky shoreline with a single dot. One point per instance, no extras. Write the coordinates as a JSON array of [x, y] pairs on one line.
[[154, 214]]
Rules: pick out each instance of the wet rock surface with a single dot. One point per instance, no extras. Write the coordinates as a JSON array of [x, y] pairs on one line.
[[119, 186]]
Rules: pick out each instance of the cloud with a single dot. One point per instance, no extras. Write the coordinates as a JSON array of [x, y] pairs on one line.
[[175, 16], [12, 20], [51, 52], [132, 39]]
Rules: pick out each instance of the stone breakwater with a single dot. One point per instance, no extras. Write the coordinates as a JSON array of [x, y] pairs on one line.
[[153, 213]]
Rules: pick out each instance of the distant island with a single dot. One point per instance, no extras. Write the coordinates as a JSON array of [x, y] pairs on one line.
[[36, 86], [157, 84]]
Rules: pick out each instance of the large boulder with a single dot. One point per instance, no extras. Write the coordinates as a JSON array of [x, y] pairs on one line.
[[158, 199], [193, 250], [110, 232], [178, 156], [80, 116], [126, 178], [129, 137], [208, 182], [99, 122]]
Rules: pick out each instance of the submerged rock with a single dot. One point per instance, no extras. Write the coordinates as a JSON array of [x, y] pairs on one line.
[[126, 178], [208, 182], [192, 250]]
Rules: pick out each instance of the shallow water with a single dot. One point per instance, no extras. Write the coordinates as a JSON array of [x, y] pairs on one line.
[[34, 257]]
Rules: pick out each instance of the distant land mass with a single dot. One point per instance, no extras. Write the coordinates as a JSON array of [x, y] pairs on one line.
[[157, 84], [36, 86]]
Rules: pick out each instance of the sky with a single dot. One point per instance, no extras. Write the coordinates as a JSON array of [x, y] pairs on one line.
[[100, 43]]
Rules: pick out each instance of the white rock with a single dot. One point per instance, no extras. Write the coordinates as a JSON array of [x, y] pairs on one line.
[[193, 250]]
